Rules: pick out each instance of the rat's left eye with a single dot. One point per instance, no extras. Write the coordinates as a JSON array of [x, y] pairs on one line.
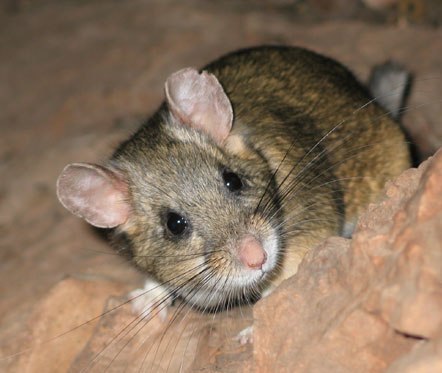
[[176, 223], [232, 181]]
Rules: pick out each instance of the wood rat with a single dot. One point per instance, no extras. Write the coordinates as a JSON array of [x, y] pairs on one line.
[[247, 165]]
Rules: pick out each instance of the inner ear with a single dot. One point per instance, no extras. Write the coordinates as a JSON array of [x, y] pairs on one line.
[[94, 193], [199, 101]]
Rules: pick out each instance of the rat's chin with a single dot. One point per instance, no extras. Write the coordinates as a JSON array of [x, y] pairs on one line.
[[245, 288]]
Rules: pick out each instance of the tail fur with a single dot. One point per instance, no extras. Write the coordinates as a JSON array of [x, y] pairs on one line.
[[390, 84]]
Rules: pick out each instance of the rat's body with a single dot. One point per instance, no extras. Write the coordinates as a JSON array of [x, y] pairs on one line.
[[219, 207]]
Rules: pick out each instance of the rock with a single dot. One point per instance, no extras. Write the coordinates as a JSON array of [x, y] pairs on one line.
[[369, 303], [62, 322], [187, 341], [424, 358], [88, 325]]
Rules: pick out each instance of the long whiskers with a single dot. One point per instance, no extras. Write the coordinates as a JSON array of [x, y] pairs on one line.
[[318, 143], [158, 306]]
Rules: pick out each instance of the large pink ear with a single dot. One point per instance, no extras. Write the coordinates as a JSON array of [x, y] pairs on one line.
[[199, 101], [94, 193]]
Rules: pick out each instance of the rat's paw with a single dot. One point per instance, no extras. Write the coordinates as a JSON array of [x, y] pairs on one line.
[[245, 336], [154, 299]]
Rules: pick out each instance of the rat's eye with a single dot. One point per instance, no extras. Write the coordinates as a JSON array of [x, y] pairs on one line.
[[176, 223], [232, 181]]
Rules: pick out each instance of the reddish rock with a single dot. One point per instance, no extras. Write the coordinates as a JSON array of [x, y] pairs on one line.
[[80, 326], [61, 324], [370, 303], [187, 341]]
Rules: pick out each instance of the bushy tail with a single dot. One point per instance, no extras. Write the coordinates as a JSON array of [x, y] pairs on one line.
[[390, 84]]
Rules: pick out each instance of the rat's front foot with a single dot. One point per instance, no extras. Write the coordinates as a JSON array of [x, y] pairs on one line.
[[245, 336], [154, 299]]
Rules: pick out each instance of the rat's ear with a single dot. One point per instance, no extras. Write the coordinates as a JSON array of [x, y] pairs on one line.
[[199, 101], [94, 193]]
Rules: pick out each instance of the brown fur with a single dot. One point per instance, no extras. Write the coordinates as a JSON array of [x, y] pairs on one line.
[[285, 101]]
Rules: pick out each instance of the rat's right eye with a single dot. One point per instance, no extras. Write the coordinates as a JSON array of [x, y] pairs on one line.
[[176, 223], [232, 181]]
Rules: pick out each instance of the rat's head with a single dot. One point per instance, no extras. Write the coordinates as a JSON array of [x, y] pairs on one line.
[[186, 193]]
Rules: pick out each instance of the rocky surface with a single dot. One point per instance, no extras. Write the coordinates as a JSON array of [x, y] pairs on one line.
[[370, 304], [77, 77]]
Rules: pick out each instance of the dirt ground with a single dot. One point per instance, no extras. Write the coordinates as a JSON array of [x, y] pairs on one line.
[[76, 77]]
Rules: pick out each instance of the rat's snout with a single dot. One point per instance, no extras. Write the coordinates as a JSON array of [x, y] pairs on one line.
[[251, 253]]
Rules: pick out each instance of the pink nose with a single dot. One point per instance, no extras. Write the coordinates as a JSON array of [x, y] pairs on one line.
[[251, 252]]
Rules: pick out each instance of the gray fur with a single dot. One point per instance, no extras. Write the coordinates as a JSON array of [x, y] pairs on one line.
[[389, 84]]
